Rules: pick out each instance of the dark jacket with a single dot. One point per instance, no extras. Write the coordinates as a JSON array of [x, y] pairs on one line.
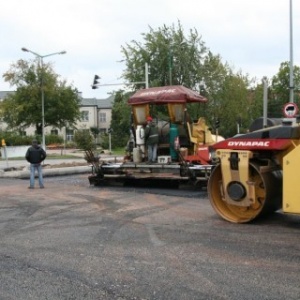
[[151, 134], [35, 154]]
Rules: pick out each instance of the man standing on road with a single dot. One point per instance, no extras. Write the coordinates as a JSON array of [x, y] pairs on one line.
[[35, 155]]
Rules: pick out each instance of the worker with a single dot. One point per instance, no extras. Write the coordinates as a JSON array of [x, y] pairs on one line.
[[151, 139], [35, 155]]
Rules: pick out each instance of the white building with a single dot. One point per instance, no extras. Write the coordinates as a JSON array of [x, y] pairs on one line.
[[94, 113]]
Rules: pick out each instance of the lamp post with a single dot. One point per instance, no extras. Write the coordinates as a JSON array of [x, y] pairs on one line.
[[170, 62], [42, 88], [291, 55], [171, 57]]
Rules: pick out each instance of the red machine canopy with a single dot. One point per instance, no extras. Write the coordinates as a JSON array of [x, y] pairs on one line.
[[165, 95]]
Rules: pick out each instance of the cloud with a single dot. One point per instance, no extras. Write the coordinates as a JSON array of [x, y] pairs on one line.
[[252, 35]]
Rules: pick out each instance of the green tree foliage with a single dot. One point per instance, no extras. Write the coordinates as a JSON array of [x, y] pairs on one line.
[[15, 139], [255, 105], [174, 59], [120, 120], [279, 92], [24, 108], [228, 102], [179, 59]]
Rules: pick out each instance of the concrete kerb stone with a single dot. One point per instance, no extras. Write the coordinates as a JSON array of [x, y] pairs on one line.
[[25, 173]]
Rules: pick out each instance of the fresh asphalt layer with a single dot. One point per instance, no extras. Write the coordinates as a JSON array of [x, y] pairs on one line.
[[74, 241]]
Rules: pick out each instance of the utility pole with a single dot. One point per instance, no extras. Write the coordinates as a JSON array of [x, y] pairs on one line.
[[265, 102], [146, 76], [170, 54], [291, 55]]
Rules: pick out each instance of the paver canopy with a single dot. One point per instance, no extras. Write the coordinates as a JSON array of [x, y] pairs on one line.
[[164, 95]]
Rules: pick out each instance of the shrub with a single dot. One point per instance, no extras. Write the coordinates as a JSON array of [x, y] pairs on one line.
[[53, 139], [14, 139], [104, 141], [84, 140]]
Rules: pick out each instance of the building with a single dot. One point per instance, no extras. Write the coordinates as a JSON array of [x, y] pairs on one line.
[[95, 113]]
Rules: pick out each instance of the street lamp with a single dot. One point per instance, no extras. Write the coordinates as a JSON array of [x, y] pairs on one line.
[[42, 88], [170, 61], [170, 58], [291, 54]]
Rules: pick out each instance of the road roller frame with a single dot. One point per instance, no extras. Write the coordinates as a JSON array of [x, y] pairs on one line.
[[236, 186]]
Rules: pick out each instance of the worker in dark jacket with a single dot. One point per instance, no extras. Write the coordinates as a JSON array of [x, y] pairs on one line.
[[151, 138], [35, 155]]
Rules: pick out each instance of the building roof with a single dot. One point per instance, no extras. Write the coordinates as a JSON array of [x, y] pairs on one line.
[[100, 103]]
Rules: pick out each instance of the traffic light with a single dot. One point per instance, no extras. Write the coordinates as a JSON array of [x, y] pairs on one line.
[[217, 123], [96, 82]]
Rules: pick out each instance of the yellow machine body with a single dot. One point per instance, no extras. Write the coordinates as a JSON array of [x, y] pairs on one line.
[[291, 182]]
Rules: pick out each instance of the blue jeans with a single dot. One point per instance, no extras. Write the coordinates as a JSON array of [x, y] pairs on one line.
[[152, 152], [37, 167]]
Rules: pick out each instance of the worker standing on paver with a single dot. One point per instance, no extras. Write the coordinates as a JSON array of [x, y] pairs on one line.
[[152, 138], [35, 155]]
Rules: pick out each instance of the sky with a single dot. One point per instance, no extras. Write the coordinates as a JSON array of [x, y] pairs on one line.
[[252, 36]]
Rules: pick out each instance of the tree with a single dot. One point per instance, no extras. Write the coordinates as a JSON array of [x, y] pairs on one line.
[[280, 89], [227, 93], [174, 59], [177, 59], [228, 102], [120, 119], [24, 108], [255, 106]]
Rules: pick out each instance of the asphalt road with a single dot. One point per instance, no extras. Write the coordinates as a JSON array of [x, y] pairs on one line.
[[75, 241]]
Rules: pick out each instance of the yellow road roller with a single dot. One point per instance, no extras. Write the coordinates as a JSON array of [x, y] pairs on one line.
[[257, 173]]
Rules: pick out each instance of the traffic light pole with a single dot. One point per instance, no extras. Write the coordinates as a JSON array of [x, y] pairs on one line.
[[95, 85], [109, 136]]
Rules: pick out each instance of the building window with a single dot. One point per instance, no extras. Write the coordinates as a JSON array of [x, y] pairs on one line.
[[102, 130], [102, 117], [54, 131], [69, 134], [85, 116]]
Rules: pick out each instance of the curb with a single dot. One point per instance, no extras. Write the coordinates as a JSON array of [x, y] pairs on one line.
[[25, 174]]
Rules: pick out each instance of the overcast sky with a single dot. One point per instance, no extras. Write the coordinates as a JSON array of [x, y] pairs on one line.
[[251, 35]]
